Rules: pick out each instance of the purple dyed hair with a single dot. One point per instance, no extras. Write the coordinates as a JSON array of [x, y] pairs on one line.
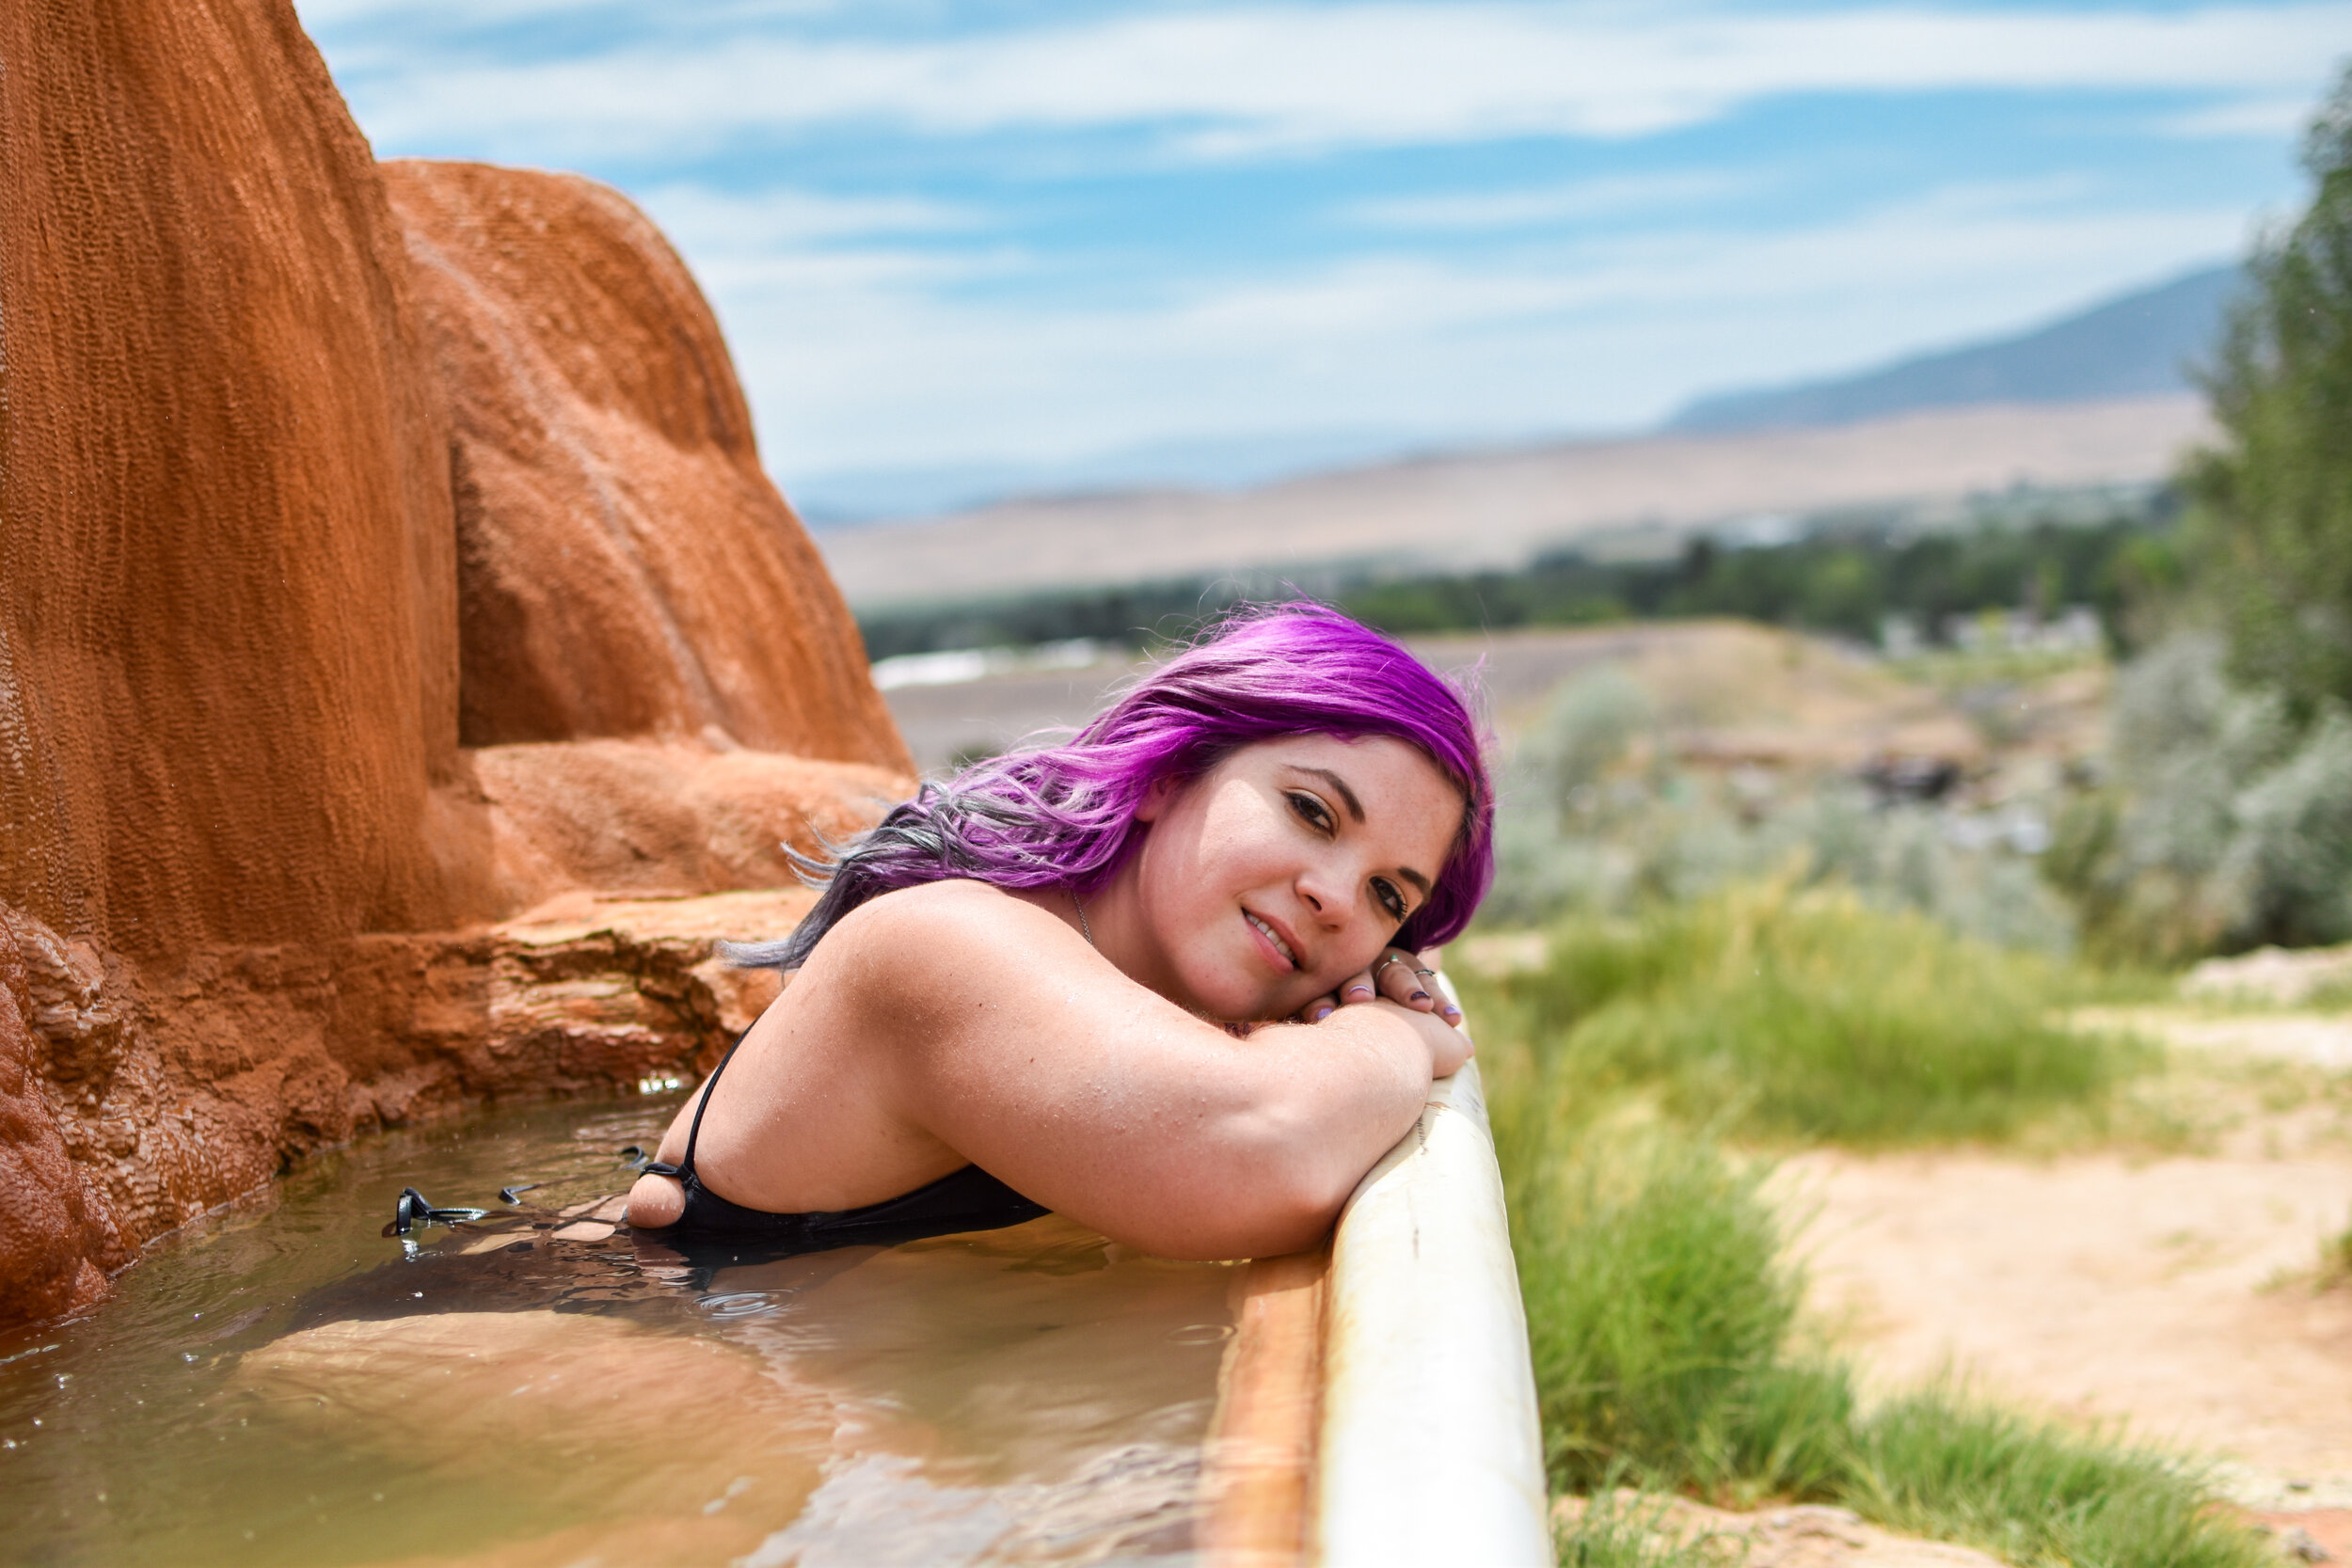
[[1064, 816]]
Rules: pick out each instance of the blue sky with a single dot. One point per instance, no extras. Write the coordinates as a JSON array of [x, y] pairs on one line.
[[1001, 233]]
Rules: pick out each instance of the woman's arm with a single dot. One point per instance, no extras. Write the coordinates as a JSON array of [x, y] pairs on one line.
[[1015, 1045]]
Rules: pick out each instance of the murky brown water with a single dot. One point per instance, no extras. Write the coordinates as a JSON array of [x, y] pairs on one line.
[[292, 1387]]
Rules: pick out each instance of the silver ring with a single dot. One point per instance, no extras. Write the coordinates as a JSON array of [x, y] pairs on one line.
[[1393, 958], [1425, 973]]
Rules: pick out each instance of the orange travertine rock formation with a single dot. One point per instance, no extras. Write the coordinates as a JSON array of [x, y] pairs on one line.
[[248, 870], [228, 584], [596, 411], [651, 820]]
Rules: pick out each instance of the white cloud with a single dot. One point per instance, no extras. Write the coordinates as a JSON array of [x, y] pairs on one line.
[[2267, 118], [1224, 81], [1608, 196], [858, 359], [775, 217], [880, 329], [323, 15]]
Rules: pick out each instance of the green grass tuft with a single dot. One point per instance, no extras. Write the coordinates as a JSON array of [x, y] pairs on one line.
[[1662, 1310], [1813, 1016], [1937, 1464], [1657, 1307]]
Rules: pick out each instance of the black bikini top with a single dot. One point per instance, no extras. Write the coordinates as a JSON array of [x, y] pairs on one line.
[[966, 1199]]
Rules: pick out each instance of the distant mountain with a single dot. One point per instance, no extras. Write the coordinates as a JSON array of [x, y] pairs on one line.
[[2133, 346], [2130, 347], [845, 498]]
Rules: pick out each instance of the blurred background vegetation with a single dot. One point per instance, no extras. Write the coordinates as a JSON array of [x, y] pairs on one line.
[[1863, 573], [1726, 970]]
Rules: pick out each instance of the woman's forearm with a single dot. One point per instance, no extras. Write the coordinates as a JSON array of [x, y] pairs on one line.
[[1323, 1103]]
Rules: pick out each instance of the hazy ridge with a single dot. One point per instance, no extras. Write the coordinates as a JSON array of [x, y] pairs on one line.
[[2142, 344], [1497, 509]]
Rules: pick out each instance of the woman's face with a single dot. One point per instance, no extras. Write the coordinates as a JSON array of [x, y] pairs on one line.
[[1286, 869]]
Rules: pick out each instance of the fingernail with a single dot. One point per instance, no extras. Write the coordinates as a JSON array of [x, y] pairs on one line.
[[1321, 1013], [1360, 990], [1421, 996], [1453, 1012]]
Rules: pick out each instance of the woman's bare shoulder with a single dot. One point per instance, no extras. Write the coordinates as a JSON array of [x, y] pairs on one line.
[[938, 931], [955, 910], [967, 978]]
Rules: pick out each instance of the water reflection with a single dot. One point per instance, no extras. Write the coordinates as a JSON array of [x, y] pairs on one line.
[[293, 1388]]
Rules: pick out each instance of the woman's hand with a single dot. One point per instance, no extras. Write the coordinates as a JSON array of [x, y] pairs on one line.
[[1449, 1048], [1399, 974]]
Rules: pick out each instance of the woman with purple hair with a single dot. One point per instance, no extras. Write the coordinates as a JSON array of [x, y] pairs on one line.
[[1163, 979]]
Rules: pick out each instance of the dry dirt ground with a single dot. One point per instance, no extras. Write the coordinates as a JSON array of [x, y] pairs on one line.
[[2182, 1295], [2178, 1292], [2182, 1290], [1806, 1536]]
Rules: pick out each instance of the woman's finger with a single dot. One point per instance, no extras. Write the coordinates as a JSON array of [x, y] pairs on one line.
[[1427, 964], [1359, 987], [1399, 978]]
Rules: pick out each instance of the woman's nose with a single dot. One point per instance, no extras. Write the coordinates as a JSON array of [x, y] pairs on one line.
[[1328, 907]]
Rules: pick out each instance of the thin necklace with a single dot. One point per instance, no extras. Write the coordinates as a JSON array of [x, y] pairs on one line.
[[1085, 929]]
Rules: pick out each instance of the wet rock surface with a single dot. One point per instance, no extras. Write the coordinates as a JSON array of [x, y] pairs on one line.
[[57, 1236], [202, 1088], [653, 819]]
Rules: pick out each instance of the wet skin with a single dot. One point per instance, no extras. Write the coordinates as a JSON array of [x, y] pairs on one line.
[[957, 1023]]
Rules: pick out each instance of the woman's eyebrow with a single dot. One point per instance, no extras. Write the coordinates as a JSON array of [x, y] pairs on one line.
[[1339, 787], [1356, 810]]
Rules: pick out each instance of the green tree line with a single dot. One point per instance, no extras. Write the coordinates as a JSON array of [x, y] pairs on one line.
[[1844, 580]]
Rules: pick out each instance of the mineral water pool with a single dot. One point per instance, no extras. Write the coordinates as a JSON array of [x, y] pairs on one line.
[[288, 1385]]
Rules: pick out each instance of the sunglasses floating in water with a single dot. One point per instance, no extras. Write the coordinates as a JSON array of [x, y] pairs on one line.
[[415, 1209]]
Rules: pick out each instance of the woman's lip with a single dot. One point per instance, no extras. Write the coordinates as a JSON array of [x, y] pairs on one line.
[[1250, 919]]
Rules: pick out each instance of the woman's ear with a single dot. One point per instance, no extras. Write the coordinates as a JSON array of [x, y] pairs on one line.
[[1156, 796]]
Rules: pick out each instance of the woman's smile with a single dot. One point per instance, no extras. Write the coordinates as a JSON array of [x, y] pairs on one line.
[[1286, 953]]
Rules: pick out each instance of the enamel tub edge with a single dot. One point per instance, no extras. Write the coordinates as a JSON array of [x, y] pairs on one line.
[[1430, 1450]]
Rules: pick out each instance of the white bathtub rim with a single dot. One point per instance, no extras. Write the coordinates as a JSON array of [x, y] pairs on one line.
[[1430, 1447]]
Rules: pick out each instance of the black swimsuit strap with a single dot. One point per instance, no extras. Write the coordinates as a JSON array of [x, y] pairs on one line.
[[685, 1168], [967, 1198]]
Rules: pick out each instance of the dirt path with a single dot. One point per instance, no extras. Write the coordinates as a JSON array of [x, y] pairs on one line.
[[2175, 1293]]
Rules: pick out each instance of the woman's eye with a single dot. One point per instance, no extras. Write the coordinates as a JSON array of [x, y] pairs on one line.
[[1315, 814], [1390, 898]]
